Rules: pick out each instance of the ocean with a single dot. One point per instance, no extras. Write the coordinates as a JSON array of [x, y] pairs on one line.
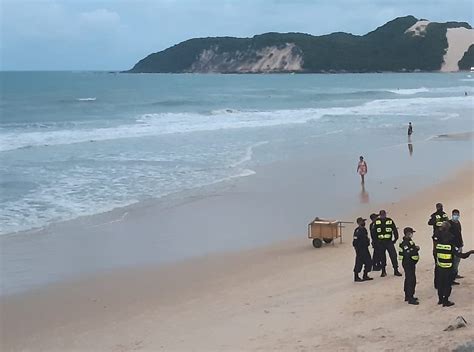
[[82, 143]]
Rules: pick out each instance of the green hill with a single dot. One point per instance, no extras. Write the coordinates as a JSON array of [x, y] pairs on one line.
[[388, 48]]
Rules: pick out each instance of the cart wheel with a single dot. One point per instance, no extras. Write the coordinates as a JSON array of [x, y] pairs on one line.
[[327, 240], [317, 243]]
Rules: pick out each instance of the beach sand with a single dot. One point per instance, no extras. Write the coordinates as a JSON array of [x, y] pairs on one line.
[[284, 297]]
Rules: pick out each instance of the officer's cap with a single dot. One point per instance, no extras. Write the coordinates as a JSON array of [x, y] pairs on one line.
[[407, 230]]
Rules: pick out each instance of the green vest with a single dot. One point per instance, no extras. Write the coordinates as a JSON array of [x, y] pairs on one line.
[[444, 256], [383, 229]]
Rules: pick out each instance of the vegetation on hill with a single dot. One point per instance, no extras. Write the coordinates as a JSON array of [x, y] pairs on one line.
[[467, 60], [388, 48]]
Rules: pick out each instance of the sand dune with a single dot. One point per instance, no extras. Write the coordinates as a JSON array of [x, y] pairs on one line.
[[459, 40]]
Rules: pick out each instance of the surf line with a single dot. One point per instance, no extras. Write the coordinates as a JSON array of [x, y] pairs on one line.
[[112, 221]]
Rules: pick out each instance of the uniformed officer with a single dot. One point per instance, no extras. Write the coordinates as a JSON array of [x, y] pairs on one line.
[[436, 219], [361, 244], [444, 253], [409, 256], [377, 260], [387, 233]]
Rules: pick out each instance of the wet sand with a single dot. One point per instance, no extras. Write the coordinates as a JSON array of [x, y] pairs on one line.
[[287, 296]]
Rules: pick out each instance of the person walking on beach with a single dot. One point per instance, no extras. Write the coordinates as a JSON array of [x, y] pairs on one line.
[[410, 129], [457, 239], [444, 253], [377, 257], [387, 234], [361, 244], [409, 256], [362, 169]]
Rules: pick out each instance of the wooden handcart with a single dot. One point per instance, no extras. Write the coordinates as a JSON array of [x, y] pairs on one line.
[[327, 231]]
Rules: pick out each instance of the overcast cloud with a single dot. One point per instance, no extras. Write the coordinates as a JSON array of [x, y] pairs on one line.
[[113, 35]]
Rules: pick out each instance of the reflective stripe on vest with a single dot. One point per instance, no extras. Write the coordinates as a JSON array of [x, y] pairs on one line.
[[400, 253], [444, 257], [440, 219], [384, 231]]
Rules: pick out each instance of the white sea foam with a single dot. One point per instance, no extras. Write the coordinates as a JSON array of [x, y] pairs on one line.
[[449, 116], [409, 91], [413, 91], [87, 99], [248, 154], [170, 123]]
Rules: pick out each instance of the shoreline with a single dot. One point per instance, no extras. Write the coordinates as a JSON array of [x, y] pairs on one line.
[[205, 188], [146, 233], [116, 310]]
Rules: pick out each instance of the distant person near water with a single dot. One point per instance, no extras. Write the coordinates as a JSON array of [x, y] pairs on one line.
[[362, 168], [410, 129]]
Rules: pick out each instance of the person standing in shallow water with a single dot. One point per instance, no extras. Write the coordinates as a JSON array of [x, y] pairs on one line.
[[410, 129], [362, 169]]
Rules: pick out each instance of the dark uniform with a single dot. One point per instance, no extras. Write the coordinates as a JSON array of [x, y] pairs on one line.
[[409, 257], [378, 257], [444, 253], [361, 244], [387, 234], [436, 219], [458, 242]]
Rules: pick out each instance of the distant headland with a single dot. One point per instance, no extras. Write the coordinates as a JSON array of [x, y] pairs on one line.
[[405, 44]]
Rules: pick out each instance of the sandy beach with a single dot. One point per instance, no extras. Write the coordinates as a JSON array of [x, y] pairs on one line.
[[286, 297]]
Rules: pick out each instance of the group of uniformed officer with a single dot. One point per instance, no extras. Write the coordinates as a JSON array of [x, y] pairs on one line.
[[447, 250]]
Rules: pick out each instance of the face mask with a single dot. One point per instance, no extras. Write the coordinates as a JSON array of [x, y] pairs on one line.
[[455, 217], [410, 235]]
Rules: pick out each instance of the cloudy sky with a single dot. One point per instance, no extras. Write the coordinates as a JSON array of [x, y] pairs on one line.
[[114, 34]]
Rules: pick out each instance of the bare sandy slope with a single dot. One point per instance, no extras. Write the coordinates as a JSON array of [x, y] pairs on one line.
[[459, 40], [289, 297]]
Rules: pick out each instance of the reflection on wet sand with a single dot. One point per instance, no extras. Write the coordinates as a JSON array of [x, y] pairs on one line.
[[364, 195], [410, 149]]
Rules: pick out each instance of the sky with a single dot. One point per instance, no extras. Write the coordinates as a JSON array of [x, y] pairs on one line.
[[115, 34]]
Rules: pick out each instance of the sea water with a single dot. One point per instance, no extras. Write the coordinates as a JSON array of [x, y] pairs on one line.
[[80, 143]]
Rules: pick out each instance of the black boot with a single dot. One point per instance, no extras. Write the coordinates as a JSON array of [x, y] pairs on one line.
[[413, 301], [366, 277], [357, 278], [384, 273], [448, 303], [396, 272]]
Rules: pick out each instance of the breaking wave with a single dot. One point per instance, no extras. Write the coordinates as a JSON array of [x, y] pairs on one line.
[[169, 123]]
